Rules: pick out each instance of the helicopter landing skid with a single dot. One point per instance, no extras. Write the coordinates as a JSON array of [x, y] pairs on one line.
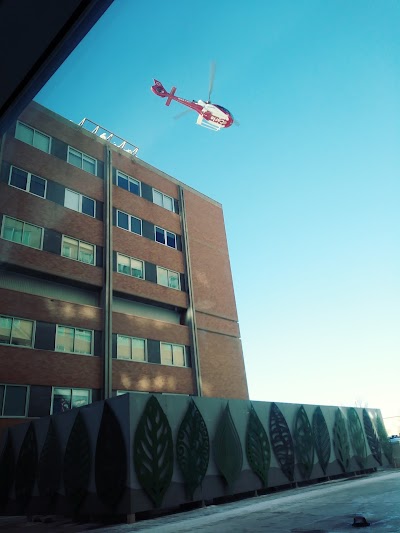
[[201, 121]]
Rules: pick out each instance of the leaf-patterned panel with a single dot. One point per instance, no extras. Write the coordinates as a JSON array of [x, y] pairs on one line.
[[110, 461], [357, 437], [7, 470], [153, 451], [77, 463], [303, 443], [321, 439], [372, 437], [383, 438], [228, 452], [341, 444], [258, 450], [282, 442], [193, 448], [50, 465], [25, 471]]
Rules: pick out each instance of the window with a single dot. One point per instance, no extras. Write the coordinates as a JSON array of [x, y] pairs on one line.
[[27, 182], [128, 183], [78, 250], [168, 278], [163, 200], [165, 237], [13, 400], [131, 348], [173, 354], [81, 160], [130, 266], [22, 233], [78, 202], [66, 399], [74, 340], [129, 222], [16, 331], [33, 137]]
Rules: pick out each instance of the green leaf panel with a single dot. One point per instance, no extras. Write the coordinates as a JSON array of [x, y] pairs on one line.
[[50, 466], [341, 444], [258, 450], [26, 468], [228, 452], [193, 448], [384, 440], [303, 443], [357, 437], [321, 439], [282, 442], [372, 438], [153, 451], [7, 470], [110, 459], [77, 461]]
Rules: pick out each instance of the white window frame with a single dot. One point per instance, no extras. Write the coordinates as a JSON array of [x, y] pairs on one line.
[[129, 223], [79, 241], [163, 199], [168, 271], [26, 320], [71, 389], [76, 353], [130, 179], [28, 390], [131, 339], [34, 131], [23, 222], [165, 237], [130, 259], [178, 345], [81, 196], [89, 159], [28, 182]]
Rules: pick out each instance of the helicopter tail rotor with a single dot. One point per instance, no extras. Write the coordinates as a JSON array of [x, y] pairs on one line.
[[212, 76]]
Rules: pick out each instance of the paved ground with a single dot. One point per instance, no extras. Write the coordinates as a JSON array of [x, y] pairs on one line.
[[323, 508]]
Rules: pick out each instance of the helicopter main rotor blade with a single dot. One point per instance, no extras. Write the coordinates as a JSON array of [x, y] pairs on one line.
[[180, 115], [212, 76]]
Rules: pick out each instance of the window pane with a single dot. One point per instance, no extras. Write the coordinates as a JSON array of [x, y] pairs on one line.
[[12, 229], [1, 398], [179, 355], [74, 157], [138, 350], [89, 165], [122, 220], [157, 198], [83, 341], [88, 206], [168, 203], [160, 235], [65, 339], [70, 248], [32, 236], [22, 331], [41, 141], [123, 347], [162, 276], [61, 400], [80, 397], [15, 401], [136, 225], [37, 186], [122, 181], [173, 280], [171, 240], [5, 329], [86, 253], [166, 354], [24, 133], [71, 200], [124, 264], [19, 178], [136, 268], [134, 187]]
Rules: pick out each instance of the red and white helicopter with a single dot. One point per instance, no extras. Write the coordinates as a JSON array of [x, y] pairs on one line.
[[211, 116]]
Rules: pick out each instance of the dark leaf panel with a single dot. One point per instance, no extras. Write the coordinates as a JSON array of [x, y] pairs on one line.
[[372, 438], [303, 443], [25, 471], [258, 450], [228, 452], [50, 466], [321, 438], [282, 442], [357, 437], [341, 444]]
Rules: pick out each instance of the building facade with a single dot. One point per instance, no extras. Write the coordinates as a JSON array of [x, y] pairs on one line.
[[114, 276]]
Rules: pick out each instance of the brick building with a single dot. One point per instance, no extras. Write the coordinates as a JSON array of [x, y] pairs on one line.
[[113, 275]]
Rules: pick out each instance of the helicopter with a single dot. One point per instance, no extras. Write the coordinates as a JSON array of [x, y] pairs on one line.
[[211, 116]]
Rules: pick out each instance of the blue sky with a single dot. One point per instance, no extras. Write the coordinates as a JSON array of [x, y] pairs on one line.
[[309, 182]]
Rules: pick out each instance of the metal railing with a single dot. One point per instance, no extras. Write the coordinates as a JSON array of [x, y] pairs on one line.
[[109, 136]]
